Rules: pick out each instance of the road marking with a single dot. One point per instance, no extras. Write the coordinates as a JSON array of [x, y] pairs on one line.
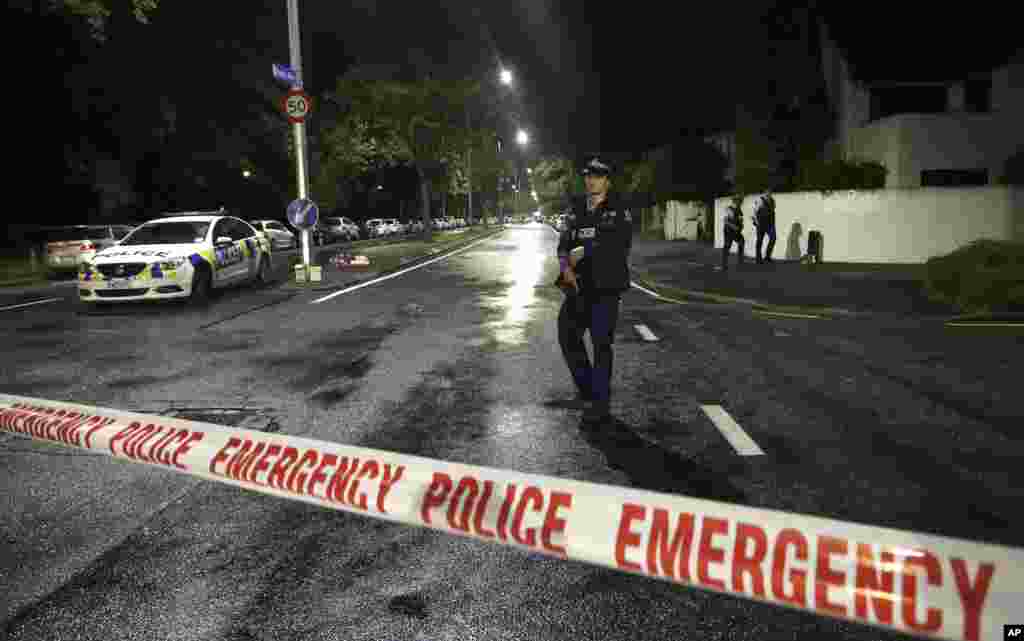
[[786, 314], [645, 331], [35, 302], [400, 272], [985, 324], [731, 430]]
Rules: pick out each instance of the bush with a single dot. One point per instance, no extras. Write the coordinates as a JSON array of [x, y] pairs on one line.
[[1013, 170], [983, 276], [835, 175]]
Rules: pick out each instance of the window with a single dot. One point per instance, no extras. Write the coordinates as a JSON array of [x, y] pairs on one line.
[[239, 229], [275, 226], [978, 95], [954, 177], [889, 101], [169, 233], [222, 228]]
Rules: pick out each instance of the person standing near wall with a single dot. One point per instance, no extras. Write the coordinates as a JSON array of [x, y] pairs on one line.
[[733, 232], [764, 220]]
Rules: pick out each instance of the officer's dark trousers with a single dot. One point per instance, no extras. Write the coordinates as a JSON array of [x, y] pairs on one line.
[[599, 313], [727, 245], [761, 233]]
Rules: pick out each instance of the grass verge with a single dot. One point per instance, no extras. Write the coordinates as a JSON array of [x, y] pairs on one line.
[[388, 256], [985, 276], [18, 270]]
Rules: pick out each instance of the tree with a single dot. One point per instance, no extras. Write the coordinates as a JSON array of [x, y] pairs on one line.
[[349, 150], [98, 12], [554, 180], [420, 119]]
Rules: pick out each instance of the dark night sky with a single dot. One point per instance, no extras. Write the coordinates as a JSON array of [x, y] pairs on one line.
[[590, 75], [619, 76]]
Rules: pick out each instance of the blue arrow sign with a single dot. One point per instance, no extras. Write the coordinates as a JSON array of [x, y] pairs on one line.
[[303, 213], [285, 74]]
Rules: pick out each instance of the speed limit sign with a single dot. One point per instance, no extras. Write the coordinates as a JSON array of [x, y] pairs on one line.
[[296, 104]]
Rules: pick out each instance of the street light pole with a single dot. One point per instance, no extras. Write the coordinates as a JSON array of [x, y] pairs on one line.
[[299, 128]]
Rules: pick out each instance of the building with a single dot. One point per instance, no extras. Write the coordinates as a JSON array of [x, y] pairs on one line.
[[928, 132]]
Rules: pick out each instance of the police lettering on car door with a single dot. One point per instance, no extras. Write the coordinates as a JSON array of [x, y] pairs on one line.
[[228, 255]]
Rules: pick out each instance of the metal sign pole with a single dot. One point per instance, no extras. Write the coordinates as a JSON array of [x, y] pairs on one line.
[[299, 128]]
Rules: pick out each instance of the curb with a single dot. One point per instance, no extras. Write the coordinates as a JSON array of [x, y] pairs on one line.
[[832, 313], [755, 305]]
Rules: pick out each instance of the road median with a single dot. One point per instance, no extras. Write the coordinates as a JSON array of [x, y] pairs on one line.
[[384, 259]]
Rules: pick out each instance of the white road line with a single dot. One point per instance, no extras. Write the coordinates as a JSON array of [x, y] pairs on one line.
[[785, 314], [645, 331], [731, 430], [35, 302], [985, 325], [400, 272]]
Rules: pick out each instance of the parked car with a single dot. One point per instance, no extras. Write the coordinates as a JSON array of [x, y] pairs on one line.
[[339, 228], [416, 226], [177, 256], [68, 247], [376, 228], [279, 235], [393, 227]]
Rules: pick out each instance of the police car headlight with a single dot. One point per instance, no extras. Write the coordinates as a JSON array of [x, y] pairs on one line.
[[174, 263]]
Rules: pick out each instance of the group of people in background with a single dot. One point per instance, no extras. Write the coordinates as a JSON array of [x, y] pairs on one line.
[[764, 222]]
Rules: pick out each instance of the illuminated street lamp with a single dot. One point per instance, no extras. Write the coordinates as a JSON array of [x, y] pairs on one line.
[[246, 173], [506, 77], [522, 137]]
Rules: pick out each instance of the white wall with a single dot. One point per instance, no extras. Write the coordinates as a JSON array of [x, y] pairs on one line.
[[681, 220], [886, 225]]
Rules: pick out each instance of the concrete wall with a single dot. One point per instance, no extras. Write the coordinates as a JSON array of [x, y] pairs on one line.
[[681, 220], [886, 226], [908, 144]]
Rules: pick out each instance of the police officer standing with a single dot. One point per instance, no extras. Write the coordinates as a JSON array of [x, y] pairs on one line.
[[764, 220], [603, 229], [733, 232]]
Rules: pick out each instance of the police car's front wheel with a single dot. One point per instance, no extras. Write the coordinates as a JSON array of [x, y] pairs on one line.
[[200, 286]]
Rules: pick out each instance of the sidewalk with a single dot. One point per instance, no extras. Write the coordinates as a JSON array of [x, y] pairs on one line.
[[695, 268]]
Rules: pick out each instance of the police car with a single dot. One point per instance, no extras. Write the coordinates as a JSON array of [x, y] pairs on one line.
[[177, 256]]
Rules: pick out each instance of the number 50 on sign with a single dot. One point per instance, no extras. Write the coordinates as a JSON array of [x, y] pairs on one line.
[[296, 104]]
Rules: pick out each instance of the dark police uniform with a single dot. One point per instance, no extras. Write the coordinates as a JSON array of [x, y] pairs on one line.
[[765, 218], [733, 232], [606, 235]]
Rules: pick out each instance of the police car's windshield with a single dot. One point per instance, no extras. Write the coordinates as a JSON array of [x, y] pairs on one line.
[[169, 233]]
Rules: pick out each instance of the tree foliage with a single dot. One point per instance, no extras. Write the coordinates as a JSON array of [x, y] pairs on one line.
[[98, 12], [390, 119], [554, 180]]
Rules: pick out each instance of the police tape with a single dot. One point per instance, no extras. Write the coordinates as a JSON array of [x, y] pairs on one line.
[[921, 584]]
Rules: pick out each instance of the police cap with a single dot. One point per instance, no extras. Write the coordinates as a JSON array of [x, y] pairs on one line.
[[596, 166]]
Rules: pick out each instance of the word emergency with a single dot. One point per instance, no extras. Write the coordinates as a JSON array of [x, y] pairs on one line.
[[468, 502], [675, 550], [51, 424], [306, 472]]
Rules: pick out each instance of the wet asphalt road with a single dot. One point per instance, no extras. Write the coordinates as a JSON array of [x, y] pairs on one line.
[[900, 425]]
